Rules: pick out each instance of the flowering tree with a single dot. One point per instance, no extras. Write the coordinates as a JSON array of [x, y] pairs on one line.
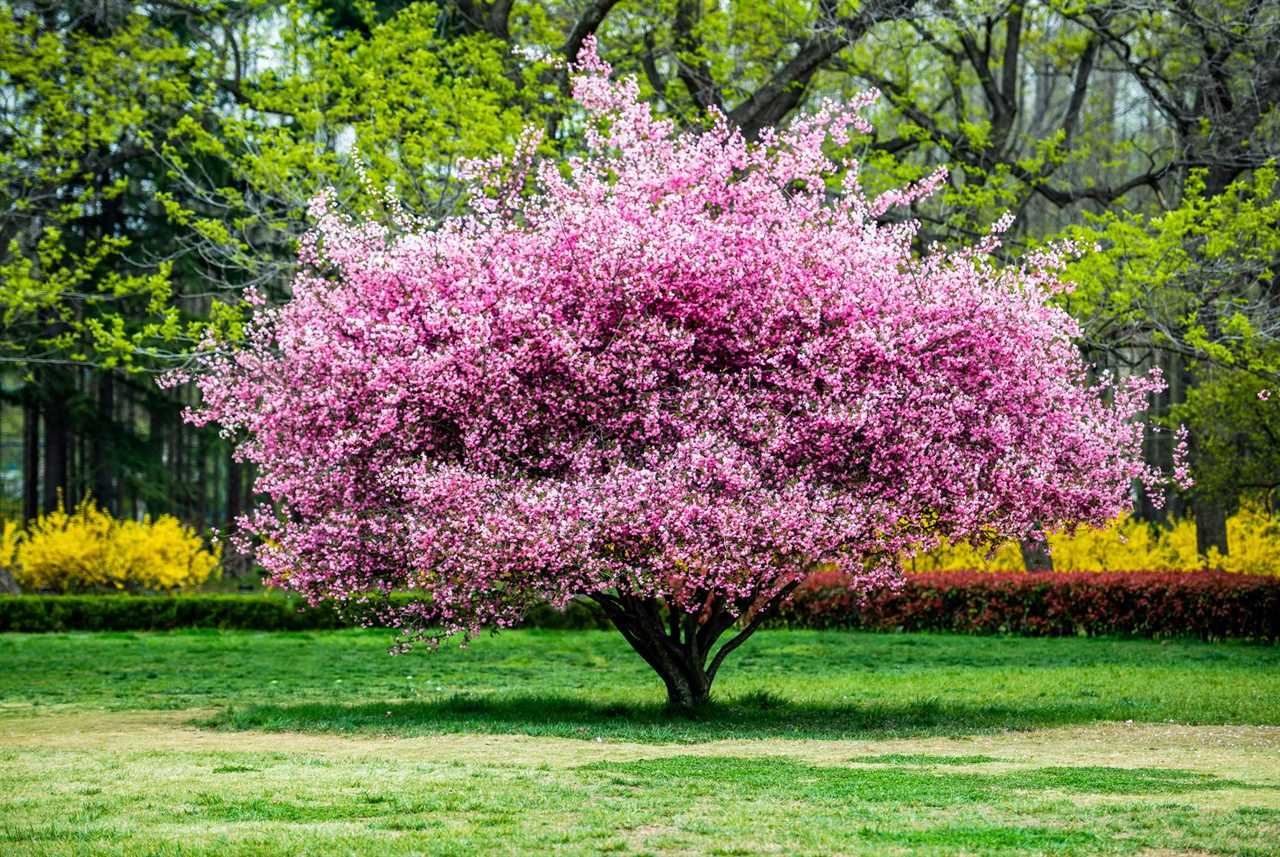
[[672, 375]]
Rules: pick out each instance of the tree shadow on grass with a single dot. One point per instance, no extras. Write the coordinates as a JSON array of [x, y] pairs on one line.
[[755, 715]]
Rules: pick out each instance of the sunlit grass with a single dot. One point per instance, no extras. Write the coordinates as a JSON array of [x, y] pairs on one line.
[[557, 742]]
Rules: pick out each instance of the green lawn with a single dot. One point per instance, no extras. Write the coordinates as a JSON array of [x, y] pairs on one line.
[[541, 741]]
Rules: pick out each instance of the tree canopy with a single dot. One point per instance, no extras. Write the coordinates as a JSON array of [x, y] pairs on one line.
[[158, 157], [678, 375]]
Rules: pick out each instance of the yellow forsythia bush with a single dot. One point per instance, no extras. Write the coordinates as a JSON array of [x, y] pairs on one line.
[[10, 532], [1253, 540], [1129, 545], [87, 549]]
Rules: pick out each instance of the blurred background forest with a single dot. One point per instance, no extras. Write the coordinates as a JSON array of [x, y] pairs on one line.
[[156, 159]]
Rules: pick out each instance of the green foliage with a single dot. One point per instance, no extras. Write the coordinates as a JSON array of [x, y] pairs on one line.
[[1198, 281], [149, 176], [1238, 434], [81, 112], [392, 103], [1196, 278]]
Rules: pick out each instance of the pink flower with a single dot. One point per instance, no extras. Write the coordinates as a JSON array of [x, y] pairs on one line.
[[681, 368]]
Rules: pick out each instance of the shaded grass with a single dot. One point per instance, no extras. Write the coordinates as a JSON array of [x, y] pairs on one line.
[[567, 683], [575, 717]]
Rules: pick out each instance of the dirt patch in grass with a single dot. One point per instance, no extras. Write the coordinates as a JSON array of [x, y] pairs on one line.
[[1249, 752], [79, 782]]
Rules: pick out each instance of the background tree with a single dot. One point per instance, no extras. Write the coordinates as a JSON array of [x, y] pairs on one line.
[[1195, 286], [87, 90]]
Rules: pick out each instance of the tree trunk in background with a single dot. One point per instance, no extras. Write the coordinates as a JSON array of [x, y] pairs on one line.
[[104, 434], [202, 479], [234, 563], [1156, 452], [179, 473], [30, 459], [103, 453], [235, 491], [1211, 526], [1035, 555], [1158, 445], [57, 443]]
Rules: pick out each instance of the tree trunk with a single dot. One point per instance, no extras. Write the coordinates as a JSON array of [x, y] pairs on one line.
[[57, 447], [202, 480], [1035, 555], [1211, 526], [678, 646], [30, 459], [235, 492], [103, 453]]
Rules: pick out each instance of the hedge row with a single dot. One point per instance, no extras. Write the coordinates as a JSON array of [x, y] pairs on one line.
[[1209, 605], [43, 613]]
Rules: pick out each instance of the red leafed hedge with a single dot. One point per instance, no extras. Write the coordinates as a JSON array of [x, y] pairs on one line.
[[1210, 605]]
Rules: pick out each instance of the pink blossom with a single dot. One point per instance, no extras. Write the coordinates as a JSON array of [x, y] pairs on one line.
[[1182, 459], [680, 368]]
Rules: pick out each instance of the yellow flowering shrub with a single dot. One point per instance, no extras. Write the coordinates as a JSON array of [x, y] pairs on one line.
[[966, 557], [9, 535], [1129, 544], [1253, 538], [87, 549]]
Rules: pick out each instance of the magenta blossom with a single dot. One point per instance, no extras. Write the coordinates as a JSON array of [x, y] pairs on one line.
[[674, 375]]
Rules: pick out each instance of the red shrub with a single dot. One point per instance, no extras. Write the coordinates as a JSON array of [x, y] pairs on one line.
[[1209, 605]]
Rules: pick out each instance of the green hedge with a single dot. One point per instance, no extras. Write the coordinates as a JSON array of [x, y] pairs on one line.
[[1144, 604], [44, 613]]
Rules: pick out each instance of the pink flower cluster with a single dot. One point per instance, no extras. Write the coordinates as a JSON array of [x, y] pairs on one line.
[[678, 366]]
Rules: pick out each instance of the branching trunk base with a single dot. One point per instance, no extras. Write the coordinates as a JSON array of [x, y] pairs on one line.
[[679, 646]]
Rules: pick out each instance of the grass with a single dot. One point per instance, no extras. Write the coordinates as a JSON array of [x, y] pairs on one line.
[[784, 683], [555, 742]]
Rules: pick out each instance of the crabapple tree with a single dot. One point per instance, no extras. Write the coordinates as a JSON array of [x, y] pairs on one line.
[[672, 375]]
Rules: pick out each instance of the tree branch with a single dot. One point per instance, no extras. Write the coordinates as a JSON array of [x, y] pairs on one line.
[[588, 22], [691, 66], [784, 90], [756, 620]]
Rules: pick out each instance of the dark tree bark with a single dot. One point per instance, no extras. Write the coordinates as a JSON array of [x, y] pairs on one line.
[[201, 479], [1211, 526], [681, 647], [784, 91], [1035, 555], [57, 443], [103, 453], [30, 459], [235, 491]]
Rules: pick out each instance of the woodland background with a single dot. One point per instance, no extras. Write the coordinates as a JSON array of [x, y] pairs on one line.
[[156, 159]]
